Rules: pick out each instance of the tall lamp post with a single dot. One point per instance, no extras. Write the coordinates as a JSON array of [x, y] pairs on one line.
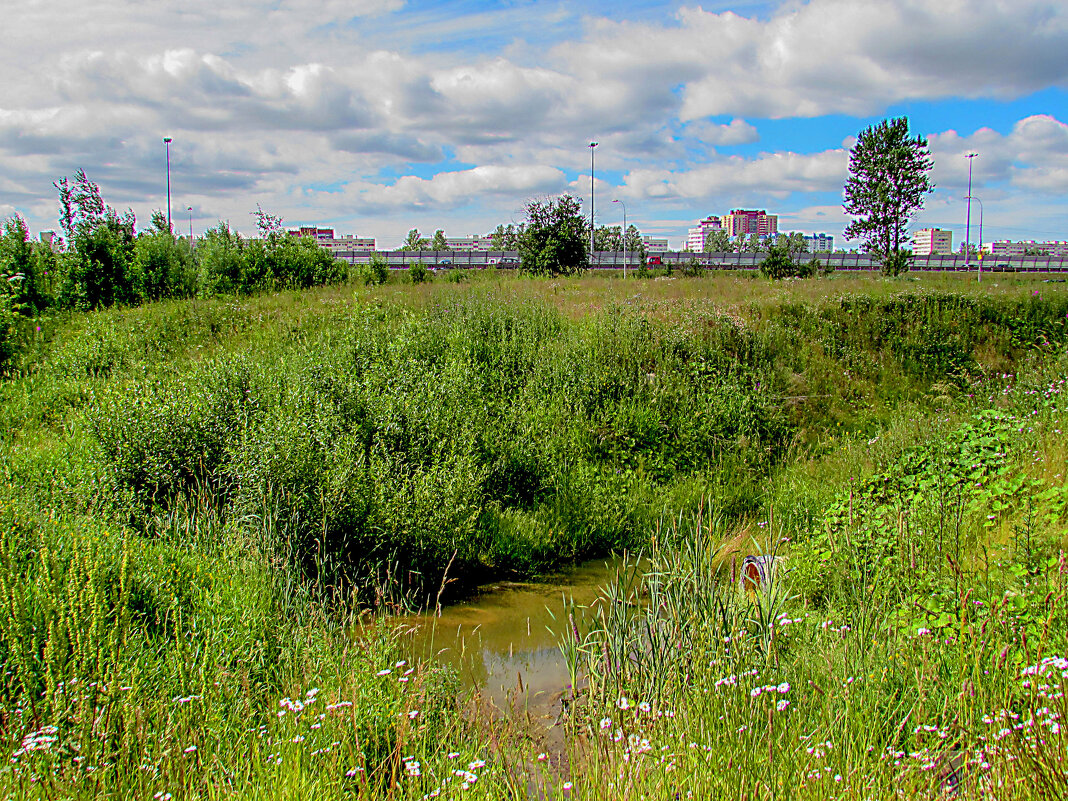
[[968, 217], [167, 141], [592, 146], [190, 210], [624, 205], [980, 202]]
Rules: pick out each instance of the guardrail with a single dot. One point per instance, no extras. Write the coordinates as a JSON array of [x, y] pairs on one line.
[[608, 260]]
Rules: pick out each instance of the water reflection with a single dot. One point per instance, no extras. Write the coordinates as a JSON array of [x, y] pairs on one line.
[[505, 636]]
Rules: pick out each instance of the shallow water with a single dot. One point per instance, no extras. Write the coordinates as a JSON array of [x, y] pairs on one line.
[[503, 640]]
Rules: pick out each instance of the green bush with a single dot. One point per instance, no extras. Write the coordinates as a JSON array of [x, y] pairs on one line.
[[780, 263], [376, 271], [418, 273]]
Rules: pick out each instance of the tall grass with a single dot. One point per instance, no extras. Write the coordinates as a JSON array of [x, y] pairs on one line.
[[197, 497]]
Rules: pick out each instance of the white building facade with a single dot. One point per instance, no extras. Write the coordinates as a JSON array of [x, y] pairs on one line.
[[696, 238], [932, 242], [472, 243], [1005, 247], [819, 243]]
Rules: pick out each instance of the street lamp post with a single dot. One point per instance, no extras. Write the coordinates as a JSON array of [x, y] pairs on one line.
[[624, 205], [167, 141], [980, 234], [190, 210], [592, 146], [968, 217]]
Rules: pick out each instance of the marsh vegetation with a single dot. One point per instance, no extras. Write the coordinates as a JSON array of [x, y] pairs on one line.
[[202, 500]]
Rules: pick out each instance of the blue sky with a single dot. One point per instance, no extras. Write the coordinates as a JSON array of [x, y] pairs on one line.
[[377, 116]]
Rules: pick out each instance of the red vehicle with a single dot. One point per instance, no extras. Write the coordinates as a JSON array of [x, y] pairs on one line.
[[654, 260]]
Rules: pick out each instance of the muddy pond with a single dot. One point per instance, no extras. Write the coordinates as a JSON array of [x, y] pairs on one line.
[[503, 638]]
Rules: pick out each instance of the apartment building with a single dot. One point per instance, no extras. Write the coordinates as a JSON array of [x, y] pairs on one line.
[[656, 243], [745, 222], [696, 237], [328, 240], [349, 242], [314, 232], [819, 243], [472, 243], [1005, 247], [932, 242]]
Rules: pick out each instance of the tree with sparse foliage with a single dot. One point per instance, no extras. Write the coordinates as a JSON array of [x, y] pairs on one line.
[[506, 237], [555, 240], [439, 242], [608, 238], [888, 178], [414, 241], [100, 247], [635, 244]]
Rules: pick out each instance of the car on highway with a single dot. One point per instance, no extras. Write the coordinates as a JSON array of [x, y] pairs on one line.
[[507, 262]]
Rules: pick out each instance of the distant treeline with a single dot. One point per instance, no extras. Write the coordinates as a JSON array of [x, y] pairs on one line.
[[102, 260]]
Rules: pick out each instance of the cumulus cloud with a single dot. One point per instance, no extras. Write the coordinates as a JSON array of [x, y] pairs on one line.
[[1033, 155], [769, 174], [273, 103]]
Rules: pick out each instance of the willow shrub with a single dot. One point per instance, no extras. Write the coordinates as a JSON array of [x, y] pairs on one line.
[[490, 436]]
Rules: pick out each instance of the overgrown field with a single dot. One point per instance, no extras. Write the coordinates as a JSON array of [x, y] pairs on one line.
[[198, 496]]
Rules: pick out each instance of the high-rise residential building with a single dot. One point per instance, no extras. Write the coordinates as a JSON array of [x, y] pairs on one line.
[[744, 222], [1005, 247], [695, 241], [819, 243], [932, 242]]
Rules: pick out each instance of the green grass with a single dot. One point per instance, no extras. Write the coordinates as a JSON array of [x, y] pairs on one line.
[[198, 497]]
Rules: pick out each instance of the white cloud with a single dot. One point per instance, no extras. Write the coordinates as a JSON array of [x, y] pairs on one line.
[[1033, 156], [769, 174], [299, 105], [737, 132]]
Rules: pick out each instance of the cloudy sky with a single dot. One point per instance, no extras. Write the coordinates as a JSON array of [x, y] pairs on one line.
[[377, 116]]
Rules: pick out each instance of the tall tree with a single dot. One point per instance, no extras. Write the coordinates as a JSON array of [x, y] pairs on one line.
[[750, 243], [415, 242], [99, 270], [506, 237], [794, 242], [634, 242], [608, 237], [439, 242], [888, 178], [555, 239], [718, 242]]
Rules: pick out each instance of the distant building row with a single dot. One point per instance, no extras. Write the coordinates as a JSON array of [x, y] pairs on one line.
[[326, 238], [740, 222], [1004, 247], [939, 242], [746, 222]]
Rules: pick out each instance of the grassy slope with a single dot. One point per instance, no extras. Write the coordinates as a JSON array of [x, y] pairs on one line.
[[208, 607]]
